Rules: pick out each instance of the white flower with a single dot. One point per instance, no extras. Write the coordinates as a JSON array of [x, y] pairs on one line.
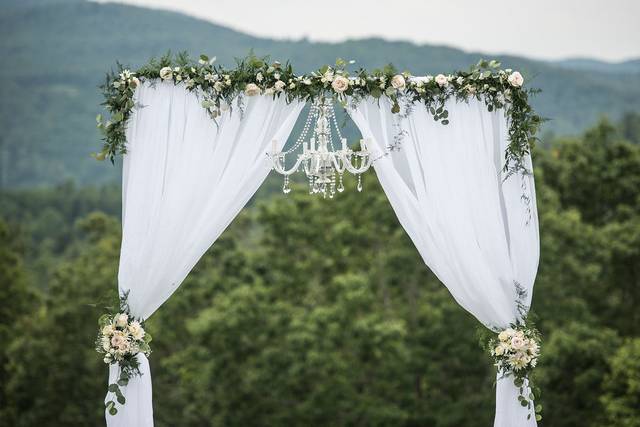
[[460, 80], [252, 89], [276, 76], [292, 85], [190, 82], [217, 86], [269, 91], [121, 320], [471, 89], [442, 80], [307, 81], [327, 76], [518, 360], [108, 330], [176, 69], [259, 77], [107, 359], [210, 77], [106, 343], [136, 330], [179, 77], [166, 73], [135, 82], [503, 336], [125, 75], [340, 84], [500, 349], [515, 79], [279, 85], [398, 81]]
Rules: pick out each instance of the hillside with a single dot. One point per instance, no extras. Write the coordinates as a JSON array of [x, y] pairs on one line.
[[55, 53]]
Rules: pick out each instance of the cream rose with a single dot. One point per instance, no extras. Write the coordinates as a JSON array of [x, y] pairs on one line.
[[279, 85], [398, 81], [340, 84], [503, 336], [251, 89], [442, 80], [108, 330], [136, 330], [515, 79], [134, 82], [166, 73], [121, 320]]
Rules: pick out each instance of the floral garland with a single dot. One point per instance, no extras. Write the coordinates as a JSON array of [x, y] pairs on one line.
[[220, 88], [120, 338]]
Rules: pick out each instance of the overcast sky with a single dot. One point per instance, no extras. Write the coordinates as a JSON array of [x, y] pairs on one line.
[[547, 29]]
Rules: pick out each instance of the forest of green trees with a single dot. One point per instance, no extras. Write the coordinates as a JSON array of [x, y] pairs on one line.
[[312, 312]]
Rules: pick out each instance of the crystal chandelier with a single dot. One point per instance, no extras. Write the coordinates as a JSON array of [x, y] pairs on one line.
[[320, 161]]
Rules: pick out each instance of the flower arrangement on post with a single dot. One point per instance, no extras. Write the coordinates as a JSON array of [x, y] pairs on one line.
[[515, 351], [120, 338]]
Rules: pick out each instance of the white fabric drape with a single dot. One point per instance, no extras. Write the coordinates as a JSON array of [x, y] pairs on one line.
[[472, 228], [184, 180]]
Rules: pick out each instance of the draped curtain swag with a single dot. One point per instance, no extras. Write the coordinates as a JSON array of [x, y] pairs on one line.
[[185, 178]]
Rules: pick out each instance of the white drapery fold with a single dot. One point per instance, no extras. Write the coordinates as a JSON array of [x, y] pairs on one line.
[[185, 178], [476, 230]]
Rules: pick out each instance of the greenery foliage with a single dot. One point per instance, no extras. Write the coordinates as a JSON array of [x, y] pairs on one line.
[[220, 88], [351, 330]]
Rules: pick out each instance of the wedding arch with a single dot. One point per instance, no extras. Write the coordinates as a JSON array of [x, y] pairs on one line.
[[452, 153]]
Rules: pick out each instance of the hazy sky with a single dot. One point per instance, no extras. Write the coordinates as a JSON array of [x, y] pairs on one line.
[[548, 29]]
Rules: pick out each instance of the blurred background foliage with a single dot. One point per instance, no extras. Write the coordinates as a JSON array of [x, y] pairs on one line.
[[321, 312], [306, 311]]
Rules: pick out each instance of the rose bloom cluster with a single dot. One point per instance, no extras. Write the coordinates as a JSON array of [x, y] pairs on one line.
[[121, 336], [515, 349]]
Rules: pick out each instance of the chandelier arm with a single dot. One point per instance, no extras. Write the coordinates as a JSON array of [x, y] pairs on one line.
[[354, 170], [278, 167]]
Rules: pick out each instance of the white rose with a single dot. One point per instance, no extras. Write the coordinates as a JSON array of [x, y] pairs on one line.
[[136, 330], [107, 359], [442, 80], [108, 330], [135, 82], [515, 79], [340, 84], [503, 336], [279, 85], [251, 89], [499, 350], [398, 81], [269, 91], [121, 320], [166, 73]]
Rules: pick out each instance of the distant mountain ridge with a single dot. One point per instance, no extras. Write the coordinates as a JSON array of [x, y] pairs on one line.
[[55, 53]]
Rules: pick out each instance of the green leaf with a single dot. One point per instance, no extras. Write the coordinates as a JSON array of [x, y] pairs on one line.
[[121, 399], [524, 402], [376, 92], [396, 108], [538, 417], [123, 382], [204, 58], [445, 122], [539, 408], [113, 388], [113, 410]]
